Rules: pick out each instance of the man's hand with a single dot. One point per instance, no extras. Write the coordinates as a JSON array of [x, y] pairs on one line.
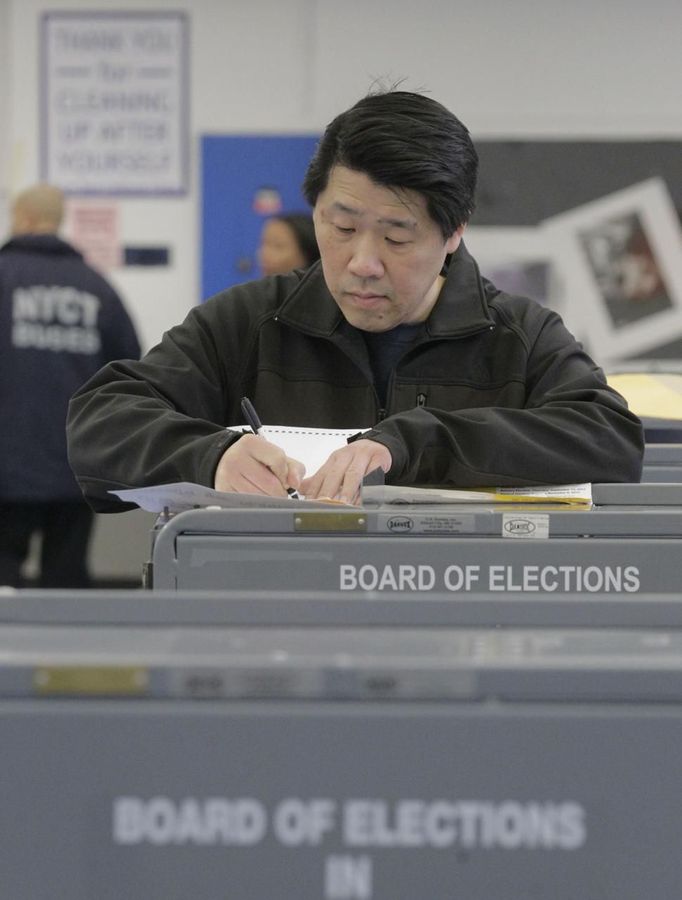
[[252, 465], [340, 477]]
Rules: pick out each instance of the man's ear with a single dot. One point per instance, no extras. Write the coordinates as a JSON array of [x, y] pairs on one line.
[[453, 241]]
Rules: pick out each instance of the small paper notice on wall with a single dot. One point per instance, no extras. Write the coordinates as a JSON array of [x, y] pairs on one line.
[[93, 228]]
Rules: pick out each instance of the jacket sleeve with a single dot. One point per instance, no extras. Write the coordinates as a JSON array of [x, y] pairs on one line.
[[152, 421], [573, 428]]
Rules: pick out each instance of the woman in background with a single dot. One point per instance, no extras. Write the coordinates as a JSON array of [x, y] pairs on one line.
[[287, 242]]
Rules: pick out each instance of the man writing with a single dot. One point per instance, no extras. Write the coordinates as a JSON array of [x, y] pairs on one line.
[[394, 331]]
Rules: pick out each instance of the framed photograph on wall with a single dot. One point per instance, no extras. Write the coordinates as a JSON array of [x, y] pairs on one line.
[[516, 260], [619, 259]]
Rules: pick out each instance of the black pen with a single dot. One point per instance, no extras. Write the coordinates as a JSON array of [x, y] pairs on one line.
[[253, 419]]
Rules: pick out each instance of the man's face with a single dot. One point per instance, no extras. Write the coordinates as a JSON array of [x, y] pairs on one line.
[[381, 252]]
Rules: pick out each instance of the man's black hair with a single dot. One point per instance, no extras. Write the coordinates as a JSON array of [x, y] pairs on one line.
[[402, 140]]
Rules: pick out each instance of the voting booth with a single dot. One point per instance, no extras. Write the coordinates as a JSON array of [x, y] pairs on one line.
[[663, 461], [175, 745], [630, 541]]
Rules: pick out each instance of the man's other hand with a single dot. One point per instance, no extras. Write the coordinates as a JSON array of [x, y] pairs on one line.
[[340, 477]]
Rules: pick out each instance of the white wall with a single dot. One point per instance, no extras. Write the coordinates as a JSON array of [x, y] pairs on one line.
[[524, 68], [5, 92]]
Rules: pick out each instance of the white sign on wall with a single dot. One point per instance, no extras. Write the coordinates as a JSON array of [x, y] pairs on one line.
[[114, 102]]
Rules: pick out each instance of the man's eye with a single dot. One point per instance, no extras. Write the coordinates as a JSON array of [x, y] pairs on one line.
[[344, 230], [397, 243]]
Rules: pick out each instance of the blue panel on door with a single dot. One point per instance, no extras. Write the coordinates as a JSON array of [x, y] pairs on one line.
[[244, 179]]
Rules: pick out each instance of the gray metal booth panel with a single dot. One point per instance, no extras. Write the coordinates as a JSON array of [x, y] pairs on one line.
[[662, 462], [501, 749], [632, 542]]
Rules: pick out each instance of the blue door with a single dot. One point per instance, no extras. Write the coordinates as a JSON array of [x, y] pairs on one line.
[[245, 179]]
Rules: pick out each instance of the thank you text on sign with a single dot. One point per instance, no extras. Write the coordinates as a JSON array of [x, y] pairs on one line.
[[115, 102]]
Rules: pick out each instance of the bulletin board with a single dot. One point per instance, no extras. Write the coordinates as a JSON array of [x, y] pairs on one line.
[[244, 180]]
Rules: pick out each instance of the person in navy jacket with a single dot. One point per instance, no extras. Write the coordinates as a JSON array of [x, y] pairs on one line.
[[60, 322]]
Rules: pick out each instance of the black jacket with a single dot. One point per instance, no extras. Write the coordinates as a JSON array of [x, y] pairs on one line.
[[495, 391], [60, 322]]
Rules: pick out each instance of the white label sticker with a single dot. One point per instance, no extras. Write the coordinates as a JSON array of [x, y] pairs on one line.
[[525, 525]]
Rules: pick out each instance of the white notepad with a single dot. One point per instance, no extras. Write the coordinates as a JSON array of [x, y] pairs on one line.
[[311, 446]]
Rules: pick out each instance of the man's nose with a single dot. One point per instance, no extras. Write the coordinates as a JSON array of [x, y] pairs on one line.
[[366, 261]]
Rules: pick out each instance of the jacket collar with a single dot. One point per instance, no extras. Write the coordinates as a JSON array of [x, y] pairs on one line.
[[40, 243], [461, 307]]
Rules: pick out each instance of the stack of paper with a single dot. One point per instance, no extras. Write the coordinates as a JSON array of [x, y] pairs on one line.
[[575, 494], [184, 495]]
